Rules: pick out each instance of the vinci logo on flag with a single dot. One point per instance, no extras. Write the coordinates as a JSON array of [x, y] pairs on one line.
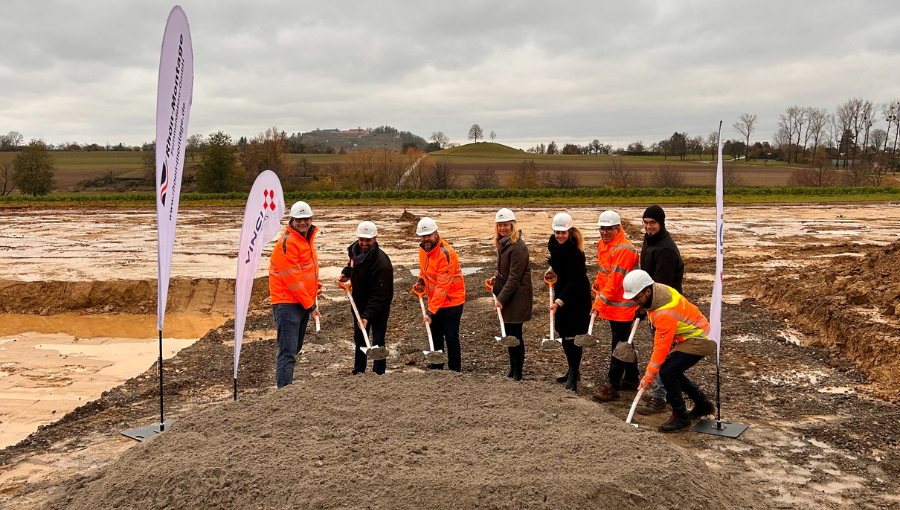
[[173, 109], [262, 221]]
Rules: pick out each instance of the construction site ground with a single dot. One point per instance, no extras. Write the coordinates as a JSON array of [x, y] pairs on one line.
[[810, 323]]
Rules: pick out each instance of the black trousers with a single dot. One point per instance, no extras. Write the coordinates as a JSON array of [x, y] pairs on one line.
[[517, 353], [445, 325], [573, 353], [377, 331], [617, 367], [672, 374]]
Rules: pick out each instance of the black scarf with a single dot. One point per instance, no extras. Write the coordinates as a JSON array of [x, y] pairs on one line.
[[356, 253], [561, 254]]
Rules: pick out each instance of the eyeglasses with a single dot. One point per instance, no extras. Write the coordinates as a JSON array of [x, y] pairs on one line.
[[608, 229], [303, 220]]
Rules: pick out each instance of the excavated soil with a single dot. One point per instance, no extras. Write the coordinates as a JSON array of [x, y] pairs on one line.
[[851, 305], [407, 441]]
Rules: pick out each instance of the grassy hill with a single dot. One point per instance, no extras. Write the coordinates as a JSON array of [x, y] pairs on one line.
[[481, 149]]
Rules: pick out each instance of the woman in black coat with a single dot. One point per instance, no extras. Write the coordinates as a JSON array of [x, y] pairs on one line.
[[573, 292], [512, 285]]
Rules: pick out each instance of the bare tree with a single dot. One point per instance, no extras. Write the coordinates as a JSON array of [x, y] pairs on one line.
[[439, 138], [194, 145], [486, 179], [524, 176], [745, 125], [857, 175], [712, 144], [439, 174], [820, 173], [6, 183], [560, 177], [667, 176], [849, 115], [695, 146], [14, 139], [818, 119], [475, 132], [493, 136], [620, 175], [731, 176]]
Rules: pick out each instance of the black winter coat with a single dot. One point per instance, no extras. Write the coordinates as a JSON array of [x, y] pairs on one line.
[[662, 260], [372, 279], [572, 287], [512, 285]]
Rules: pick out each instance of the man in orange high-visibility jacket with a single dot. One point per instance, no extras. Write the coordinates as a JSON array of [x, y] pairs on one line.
[[293, 287], [441, 277], [616, 256], [675, 318]]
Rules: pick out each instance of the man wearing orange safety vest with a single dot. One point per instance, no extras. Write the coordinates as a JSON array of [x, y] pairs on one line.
[[616, 256], [441, 278], [675, 318], [293, 287]]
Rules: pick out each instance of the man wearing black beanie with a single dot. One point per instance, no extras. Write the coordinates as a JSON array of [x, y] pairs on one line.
[[662, 261]]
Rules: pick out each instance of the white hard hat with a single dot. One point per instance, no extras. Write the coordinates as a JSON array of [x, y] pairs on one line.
[[301, 210], [609, 219], [562, 222], [366, 230], [426, 226], [504, 215], [634, 282]]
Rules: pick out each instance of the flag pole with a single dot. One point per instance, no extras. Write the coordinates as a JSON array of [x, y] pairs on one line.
[[162, 419]]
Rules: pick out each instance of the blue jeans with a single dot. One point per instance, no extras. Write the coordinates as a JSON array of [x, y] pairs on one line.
[[377, 331], [445, 324], [291, 320], [660, 391]]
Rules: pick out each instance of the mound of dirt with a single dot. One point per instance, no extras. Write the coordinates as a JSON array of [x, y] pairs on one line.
[[407, 440], [852, 305], [186, 295]]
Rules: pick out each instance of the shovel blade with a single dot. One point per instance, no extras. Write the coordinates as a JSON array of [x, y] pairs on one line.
[[550, 345], [376, 353], [509, 341], [435, 357], [586, 341], [624, 351]]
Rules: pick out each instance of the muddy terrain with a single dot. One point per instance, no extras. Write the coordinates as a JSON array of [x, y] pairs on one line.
[[821, 421]]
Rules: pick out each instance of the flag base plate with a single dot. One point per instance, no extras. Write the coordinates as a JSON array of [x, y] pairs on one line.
[[720, 428], [147, 431]]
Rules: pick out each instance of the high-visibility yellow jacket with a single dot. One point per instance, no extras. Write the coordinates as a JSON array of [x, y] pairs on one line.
[[615, 259], [294, 268], [675, 319], [439, 271]]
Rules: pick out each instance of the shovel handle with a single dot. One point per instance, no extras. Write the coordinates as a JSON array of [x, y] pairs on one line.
[[591, 326], [427, 326], [552, 314], [358, 320], [318, 325], [634, 327], [637, 398]]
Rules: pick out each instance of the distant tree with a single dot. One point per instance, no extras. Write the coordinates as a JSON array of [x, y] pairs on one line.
[[712, 144], [218, 171], [266, 152], [745, 125], [440, 139], [440, 174], [620, 175], [493, 136], [878, 138], [524, 176], [475, 132], [695, 146], [667, 176], [195, 144], [551, 149], [636, 147], [596, 146], [6, 181], [820, 173], [13, 139], [571, 148], [486, 179], [678, 144], [560, 177], [731, 176], [735, 148], [33, 170]]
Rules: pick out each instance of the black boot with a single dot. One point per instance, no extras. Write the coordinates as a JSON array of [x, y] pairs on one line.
[[564, 378], [572, 383], [512, 362], [677, 421], [520, 361]]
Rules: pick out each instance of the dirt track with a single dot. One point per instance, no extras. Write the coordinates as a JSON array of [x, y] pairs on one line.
[[816, 438]]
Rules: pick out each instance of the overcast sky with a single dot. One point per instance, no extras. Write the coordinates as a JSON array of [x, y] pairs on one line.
[[533, 72]]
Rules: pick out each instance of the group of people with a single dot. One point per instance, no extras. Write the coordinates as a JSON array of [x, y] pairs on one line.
[[628, 286]]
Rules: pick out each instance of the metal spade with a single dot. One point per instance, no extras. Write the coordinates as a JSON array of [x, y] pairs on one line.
[[624, 351], [552, 343], [376, 352], [588, 340], [508, 341], [431, 356], [637, 398]]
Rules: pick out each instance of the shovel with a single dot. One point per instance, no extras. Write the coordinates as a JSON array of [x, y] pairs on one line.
[[588, 340], [432, 356], [508, 341], [637, 398], [552, 343], [624, 351], [377, 352], [318, 325]]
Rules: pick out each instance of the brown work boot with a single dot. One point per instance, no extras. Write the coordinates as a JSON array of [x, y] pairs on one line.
[[630, 385], [653, 406], [676, 422], [606, 393]]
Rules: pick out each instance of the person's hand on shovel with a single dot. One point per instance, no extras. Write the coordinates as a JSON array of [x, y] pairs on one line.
[[553, 308], [498, 305], [645, 384]]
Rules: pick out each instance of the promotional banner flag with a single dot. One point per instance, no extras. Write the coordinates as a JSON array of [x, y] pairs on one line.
[[715, 306], [262, 221], [173, 110]]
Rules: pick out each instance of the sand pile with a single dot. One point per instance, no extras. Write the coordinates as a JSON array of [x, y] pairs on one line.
[[852, 305], [410, 440]]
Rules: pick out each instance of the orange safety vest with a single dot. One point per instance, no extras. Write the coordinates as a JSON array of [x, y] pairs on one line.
[[439, 270], [615, 259], [679, 320], [294, 268]]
